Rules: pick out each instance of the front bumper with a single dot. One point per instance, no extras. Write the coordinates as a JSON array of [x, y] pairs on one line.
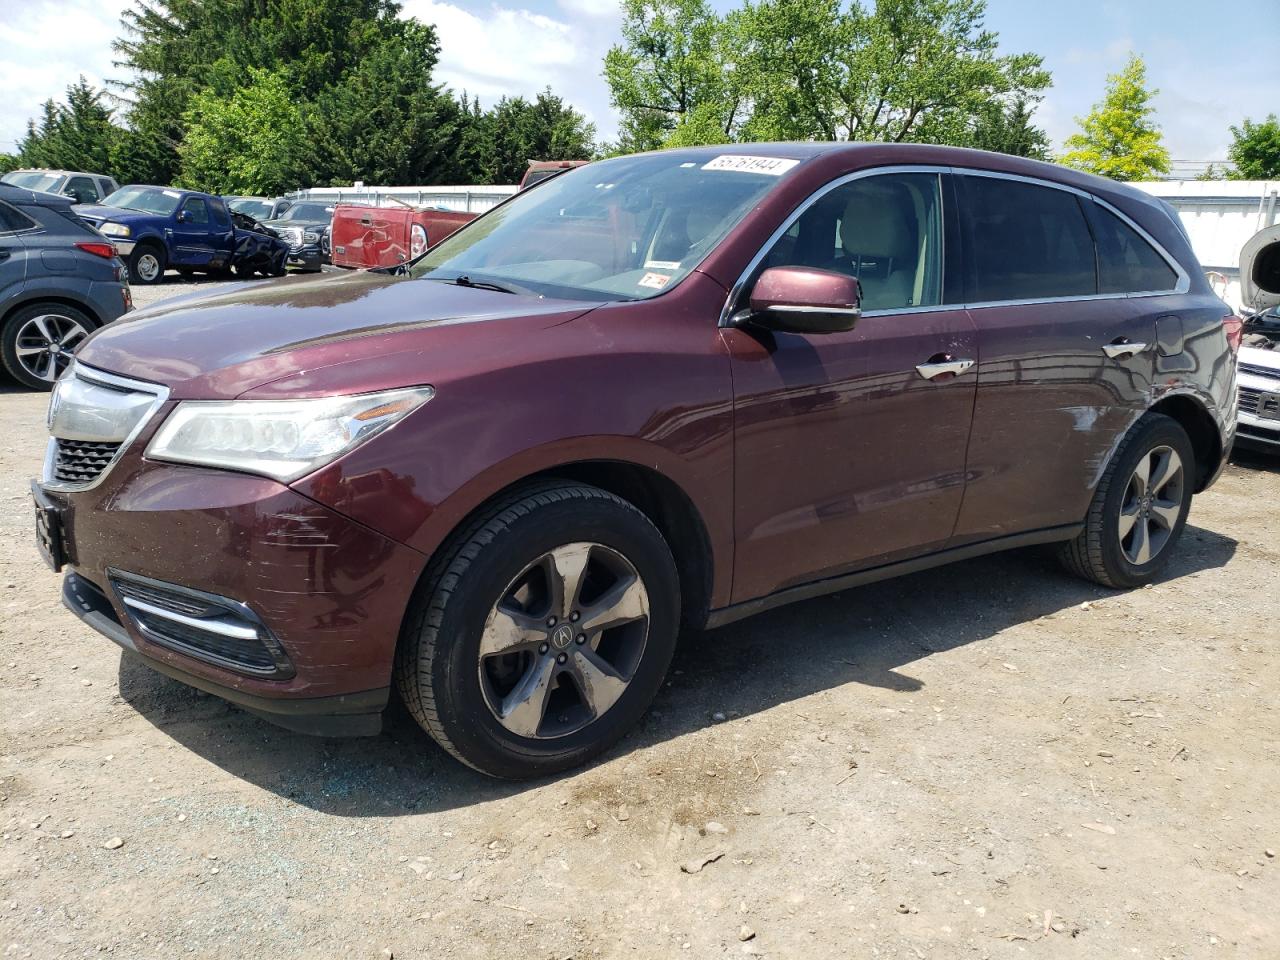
[[1258, 416], [331, 591], [123, 247], [308, 257]]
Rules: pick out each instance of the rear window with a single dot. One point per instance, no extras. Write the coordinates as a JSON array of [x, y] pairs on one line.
[[1127, 263], [1026, 242]]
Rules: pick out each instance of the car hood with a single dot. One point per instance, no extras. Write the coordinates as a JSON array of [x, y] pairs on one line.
[[100, 214], [337, 333], [314, 225]]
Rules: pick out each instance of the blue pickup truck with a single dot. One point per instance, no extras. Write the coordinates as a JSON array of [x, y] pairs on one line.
[[158, 228]]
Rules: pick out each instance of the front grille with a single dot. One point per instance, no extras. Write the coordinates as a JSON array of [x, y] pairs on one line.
[[201, 625], [82, 461], [1272, 373]]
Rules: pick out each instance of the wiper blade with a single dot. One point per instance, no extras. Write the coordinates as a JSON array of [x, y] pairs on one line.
[[465, 281]]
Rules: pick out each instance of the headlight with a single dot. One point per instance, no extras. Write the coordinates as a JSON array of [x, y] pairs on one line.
[[310, 237], [115, 230], [284, 439]]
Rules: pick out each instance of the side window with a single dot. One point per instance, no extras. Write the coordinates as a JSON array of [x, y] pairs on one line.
[[12, 219], [1126, 262], [82, 189], [197, 210], [106, 187], [219, 210], [885, 230], [1026, 242]]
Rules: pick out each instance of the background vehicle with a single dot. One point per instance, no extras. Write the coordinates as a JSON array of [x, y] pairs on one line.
[[302, 226], [259, 249], [155, 228], [59, 280], [1259, 368], [261, 209], [80, 187], [540, 170], [499, 478], [387, 236]]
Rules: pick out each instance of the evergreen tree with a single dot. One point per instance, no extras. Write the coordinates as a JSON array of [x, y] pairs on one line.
[[1118, 139]]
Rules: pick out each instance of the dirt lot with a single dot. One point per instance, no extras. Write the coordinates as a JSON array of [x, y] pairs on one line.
[[989, 760]]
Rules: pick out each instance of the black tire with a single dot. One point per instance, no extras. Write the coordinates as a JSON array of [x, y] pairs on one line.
[[245, 271], [68, 325], [1098, 553], [186, 273], [438, 672], [140, 270]]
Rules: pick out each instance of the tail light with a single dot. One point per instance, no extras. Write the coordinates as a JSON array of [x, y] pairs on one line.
[[105, 250], [1233, 327], [417, 240]]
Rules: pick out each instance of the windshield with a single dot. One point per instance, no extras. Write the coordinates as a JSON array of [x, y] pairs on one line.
[[145, 200], [32, 180], [310, 212], [258, 209], [624, 229]]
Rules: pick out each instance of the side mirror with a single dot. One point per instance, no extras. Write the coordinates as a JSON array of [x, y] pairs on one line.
[[805, 300], [184, 216], [71, 195]]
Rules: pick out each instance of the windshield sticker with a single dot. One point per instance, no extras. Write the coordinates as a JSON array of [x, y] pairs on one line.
[[662, 264], [655, 280], [773, 166]]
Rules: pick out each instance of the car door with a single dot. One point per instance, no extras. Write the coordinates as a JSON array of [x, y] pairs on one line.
[[13, 260], [192, 238], [222, 232], [1066, 357], [81, 190], [850, 447]]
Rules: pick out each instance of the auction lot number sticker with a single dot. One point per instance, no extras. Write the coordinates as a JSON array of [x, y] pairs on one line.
[[773, 166]]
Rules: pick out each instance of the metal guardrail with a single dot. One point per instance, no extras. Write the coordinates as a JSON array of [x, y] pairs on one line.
[[462, 198]]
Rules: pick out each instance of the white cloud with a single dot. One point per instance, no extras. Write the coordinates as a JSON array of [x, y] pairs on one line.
[[47, 44]]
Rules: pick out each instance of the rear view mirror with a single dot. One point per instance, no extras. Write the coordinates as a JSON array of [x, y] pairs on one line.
[[805, 300]]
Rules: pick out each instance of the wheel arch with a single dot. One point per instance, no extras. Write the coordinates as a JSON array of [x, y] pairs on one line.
[[35, 297], [1206, 438]]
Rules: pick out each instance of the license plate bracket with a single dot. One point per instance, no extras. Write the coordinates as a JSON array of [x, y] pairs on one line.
[[50, 529], [1269, 406]]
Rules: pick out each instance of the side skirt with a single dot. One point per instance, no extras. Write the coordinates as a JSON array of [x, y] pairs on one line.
[[807, 591]]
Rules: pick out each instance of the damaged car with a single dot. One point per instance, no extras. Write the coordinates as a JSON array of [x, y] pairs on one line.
[[259, 249], [1259, 367]]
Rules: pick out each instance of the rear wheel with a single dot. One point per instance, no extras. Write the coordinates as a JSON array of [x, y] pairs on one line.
[[38, 340], [146, 264], [544, 634], [1139, 508]]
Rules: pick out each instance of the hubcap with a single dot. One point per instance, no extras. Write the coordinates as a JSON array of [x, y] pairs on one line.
[[45, 344], [1151, 506], [148, 267], [563, 641]]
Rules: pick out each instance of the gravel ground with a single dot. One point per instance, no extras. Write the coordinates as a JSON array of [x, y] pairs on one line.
[[987, 760]]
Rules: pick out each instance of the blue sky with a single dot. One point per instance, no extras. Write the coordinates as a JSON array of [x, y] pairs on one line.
[[1208, 60]]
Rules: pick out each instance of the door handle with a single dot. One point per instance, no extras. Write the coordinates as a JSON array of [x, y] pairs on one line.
[[941, 364], [1122, 347]]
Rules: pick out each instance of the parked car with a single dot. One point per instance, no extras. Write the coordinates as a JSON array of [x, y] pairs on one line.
[[673, 388], [261, 209], [59, 281], [79, 187], [259, 249], [540, 170], [156, 228], [1260, 348], [366, 236], [303, 226]]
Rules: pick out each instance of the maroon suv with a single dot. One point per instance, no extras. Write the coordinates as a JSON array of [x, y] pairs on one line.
[[674, 388]]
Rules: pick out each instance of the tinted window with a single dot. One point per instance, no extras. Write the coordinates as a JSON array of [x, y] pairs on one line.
[[82, 189], [886, 231], [197, 210], [1126, 262], [1026, 242], [13, 219], [219, 210]]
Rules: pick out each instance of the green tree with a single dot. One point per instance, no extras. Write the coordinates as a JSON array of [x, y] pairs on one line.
[[518, 131], [78, 134], [1255, 150], [1118, 139], [245, 143], [1009, 129], [9, 161], [921, 70]]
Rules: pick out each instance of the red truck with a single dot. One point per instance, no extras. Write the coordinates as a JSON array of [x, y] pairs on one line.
[[365, 236]]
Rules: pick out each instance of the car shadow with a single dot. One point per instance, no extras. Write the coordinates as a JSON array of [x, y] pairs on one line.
[[1252, 458], [871, 635]]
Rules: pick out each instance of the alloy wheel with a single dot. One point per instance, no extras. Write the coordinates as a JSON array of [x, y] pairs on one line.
[[45, 344], [1152, 504], [563, 642]]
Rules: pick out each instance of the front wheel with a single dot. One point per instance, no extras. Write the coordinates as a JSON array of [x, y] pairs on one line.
[[1139, 508], [146, 264], [245, 271], [542, 636]]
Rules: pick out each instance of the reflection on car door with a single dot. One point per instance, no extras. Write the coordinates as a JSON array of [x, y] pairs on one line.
[[192, 245], [850, 447], [1065, 363]]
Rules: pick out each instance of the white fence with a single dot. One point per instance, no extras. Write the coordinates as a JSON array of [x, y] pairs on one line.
[[1220, 217], [463, 198]]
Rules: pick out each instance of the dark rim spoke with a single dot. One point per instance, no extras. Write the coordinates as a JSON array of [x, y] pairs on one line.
[[507, 630]]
